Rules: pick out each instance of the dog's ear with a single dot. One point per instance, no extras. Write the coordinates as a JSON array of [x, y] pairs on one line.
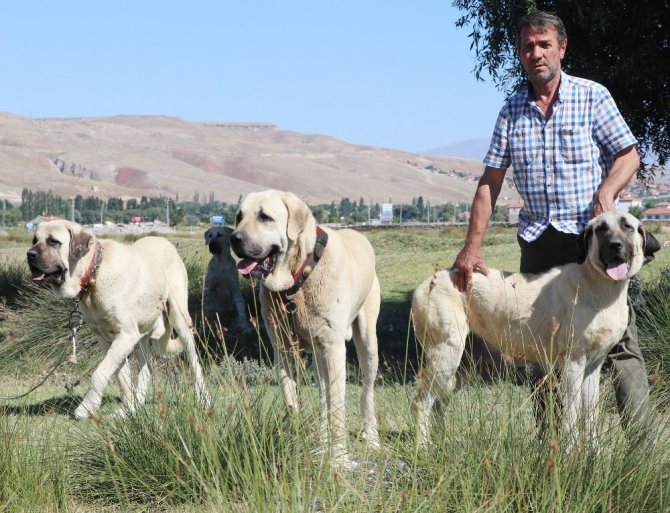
[[79, 243], [650, 244], [583, 242], [299, 215], [208, 235]]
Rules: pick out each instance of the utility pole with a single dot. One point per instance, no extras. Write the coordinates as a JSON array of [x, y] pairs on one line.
[[72, 210], [167, 203]]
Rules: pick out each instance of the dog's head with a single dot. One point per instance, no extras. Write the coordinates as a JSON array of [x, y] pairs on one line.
[[217, 239], [54, 258], [616, 245], [272, 230]]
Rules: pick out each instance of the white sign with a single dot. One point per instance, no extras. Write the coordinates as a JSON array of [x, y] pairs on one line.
[[386, 214]]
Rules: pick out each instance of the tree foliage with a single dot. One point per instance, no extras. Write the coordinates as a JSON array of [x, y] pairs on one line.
[[622, 44]]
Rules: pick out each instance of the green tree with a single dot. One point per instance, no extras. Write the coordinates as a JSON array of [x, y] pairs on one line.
[[623, 44]]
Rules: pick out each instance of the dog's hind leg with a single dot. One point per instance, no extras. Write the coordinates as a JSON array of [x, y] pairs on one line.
[[436, 380], [180, 320], [143, 371], [365, 340], [183, 329]]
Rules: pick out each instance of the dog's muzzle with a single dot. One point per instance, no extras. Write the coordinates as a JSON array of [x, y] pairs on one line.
[[44, 276], [617, 266], [254, 262]]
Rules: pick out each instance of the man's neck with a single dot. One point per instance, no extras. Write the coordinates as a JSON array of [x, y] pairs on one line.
[[546, 93]]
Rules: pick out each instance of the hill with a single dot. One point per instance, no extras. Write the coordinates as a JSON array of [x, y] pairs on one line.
[[132, 156]]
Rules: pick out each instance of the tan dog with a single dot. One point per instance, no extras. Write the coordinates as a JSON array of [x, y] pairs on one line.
[[276, 236], [127, 295], [567, 319], [223, 299]]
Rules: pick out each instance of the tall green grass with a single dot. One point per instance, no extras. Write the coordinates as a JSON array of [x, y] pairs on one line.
[[248, 455]]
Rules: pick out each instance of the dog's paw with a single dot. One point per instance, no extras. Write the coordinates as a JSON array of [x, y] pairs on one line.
[[121, 413], [81, 413], [371, 437]]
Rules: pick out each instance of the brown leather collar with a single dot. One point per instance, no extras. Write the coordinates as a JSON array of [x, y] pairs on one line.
[[88, 279], [309, 263]]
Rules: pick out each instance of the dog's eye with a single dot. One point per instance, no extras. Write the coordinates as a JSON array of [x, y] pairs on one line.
[[53, 243], [264, 217], [34, 240], [601, 228]]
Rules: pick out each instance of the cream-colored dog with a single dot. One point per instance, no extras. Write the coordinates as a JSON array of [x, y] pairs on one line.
[[333, 288], [127, 295], [566, 319]]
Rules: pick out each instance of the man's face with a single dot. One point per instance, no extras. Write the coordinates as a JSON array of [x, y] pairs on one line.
[[541, 54]]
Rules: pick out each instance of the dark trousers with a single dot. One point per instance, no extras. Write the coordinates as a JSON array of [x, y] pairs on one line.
[[554, 248]]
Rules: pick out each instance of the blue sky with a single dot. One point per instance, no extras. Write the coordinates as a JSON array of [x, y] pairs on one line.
[[395, 74]]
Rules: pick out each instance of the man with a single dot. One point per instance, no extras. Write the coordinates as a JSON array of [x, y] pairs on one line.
[[571, 153]]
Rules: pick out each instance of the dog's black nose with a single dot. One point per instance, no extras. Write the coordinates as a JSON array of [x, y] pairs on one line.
[[616, 245], [32, 254], [236, 239]]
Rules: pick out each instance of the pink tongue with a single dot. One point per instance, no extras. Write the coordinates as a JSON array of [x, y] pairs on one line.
[[617, 272], [38, 276], [246, 265]]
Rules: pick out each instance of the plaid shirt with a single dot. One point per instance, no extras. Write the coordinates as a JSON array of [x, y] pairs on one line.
[[558, 163]]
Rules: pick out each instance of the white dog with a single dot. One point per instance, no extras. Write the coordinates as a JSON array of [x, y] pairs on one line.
[[126, 295], [566, 319], [328, 279]]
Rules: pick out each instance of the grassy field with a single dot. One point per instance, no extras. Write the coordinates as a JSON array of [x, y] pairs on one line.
[[247, 455]]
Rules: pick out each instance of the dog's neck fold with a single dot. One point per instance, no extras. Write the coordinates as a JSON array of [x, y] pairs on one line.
[[282, 278]]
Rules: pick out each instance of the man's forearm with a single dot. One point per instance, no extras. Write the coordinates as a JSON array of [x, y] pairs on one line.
[[483, 203]]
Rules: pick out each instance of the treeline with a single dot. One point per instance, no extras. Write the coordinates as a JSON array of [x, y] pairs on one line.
[[199, 209]]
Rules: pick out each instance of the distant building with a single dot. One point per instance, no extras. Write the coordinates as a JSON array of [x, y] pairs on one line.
[[628, 200], [660, 212]]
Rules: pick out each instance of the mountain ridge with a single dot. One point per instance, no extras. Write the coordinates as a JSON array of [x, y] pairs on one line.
[[133, 156]]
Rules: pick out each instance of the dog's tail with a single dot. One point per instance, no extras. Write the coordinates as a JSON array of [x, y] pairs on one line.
[[162, 341]]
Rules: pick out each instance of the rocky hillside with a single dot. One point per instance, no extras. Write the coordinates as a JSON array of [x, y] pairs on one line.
[[131, 156]]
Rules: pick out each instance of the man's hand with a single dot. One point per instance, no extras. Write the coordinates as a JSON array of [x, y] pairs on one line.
[[468, 261], [602, 202], [623, 169]]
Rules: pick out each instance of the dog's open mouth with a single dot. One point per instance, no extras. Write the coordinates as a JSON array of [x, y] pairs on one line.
[[617, 270], [56, 277], [258, 267]]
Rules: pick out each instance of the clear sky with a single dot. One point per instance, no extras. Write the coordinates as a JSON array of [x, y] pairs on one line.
[[395, 74]]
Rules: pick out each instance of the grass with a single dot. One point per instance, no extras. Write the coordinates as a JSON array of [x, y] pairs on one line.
[[247, 454]]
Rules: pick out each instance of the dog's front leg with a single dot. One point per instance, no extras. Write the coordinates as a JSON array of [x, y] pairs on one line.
[[116, 356], [126, 384], [134, 396], [572, 377], [590, 406], [331, 368], [285, 369]]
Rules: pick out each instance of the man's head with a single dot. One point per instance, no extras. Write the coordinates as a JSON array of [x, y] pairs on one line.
[[541, 42]]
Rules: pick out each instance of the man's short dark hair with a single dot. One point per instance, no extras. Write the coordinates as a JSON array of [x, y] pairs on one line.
[[542, 21]]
